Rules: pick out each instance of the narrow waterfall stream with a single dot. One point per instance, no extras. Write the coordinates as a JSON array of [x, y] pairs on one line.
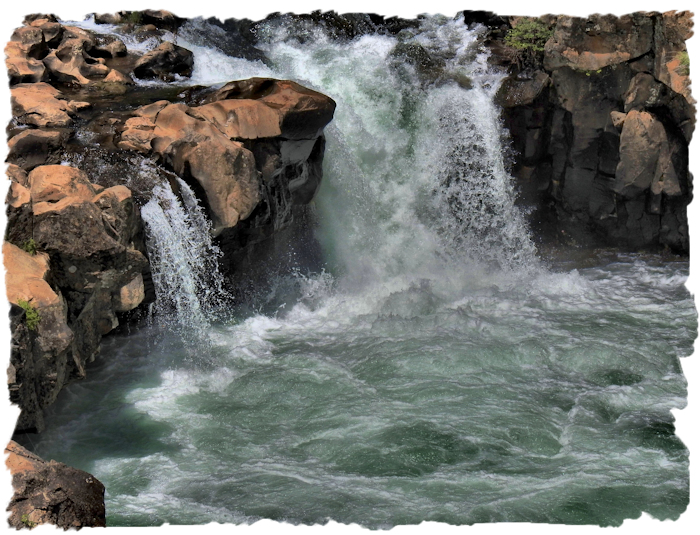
[[435, 370]]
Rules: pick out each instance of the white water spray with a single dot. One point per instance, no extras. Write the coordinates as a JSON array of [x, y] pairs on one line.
[[189, 286]]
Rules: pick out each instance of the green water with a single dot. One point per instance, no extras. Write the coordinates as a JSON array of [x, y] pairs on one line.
[[545, 401], [435, 369]]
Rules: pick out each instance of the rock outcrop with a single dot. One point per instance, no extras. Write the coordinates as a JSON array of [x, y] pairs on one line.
[[252, 146], [601, 130], [74, 248], [52, 493], [74, 258]]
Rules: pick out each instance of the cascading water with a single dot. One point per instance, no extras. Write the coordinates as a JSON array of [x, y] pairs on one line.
[[435, 371], [189, 287]]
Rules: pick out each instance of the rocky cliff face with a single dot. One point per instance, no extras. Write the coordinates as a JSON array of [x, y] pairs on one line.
[[600, 121], [80, 139]]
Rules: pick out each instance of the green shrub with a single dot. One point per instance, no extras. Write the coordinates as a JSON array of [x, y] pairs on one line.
[[526, 40], [684, 60], [29, 246], [25, 520], [31, 314]]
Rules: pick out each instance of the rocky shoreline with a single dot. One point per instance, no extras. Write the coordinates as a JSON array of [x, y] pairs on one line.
[[599, 112]]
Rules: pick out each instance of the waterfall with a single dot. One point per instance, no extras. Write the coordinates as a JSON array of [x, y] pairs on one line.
[[189, 286], [415, 185]]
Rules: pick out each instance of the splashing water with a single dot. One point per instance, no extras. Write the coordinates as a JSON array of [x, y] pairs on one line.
[[189, 287], [435, 371]]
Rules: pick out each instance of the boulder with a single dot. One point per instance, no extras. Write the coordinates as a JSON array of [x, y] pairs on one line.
[[302, 112], [205, 143], [21, 68], [52, 493], [42, 105], [32, 147], [164, 62], [196, 149], [646, 158]]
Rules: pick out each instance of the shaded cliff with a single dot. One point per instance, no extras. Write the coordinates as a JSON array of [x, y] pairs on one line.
[[600, 115]]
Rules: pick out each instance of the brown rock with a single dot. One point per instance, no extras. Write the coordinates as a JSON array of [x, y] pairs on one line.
[[137, 135], [645, 158], [241, 119], [32, 147], [52, 493], [51, 183], [130, 295], [673, 30], [25, 281], [31, 40], [21, 68], [42, 105], [164, 62], [598, 41], [303, 113], [225, 170], [618, 119], [17, 174]]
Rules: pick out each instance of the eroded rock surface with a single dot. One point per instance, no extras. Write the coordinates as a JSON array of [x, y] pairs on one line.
[[52, 493], [247, 143], [89, 266]]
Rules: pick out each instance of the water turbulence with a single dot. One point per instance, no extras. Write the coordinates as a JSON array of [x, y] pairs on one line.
[[433, 370]]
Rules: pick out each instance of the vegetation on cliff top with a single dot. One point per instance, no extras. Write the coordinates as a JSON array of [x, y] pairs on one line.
[[526, 40]]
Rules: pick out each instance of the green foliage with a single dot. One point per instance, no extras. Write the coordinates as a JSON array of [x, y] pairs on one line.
[[684, 60], [25, 520], [29, 246], [134, 17], [529, 35], [31, 314]]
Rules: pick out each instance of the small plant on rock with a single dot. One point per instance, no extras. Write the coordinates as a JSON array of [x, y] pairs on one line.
[[29, 246], [684, 60], [526, 40], [25, 520], [31, 314]]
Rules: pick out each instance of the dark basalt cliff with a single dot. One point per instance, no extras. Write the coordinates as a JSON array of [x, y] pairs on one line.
[[600, 121]]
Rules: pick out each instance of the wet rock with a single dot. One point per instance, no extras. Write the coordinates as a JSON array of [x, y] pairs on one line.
[[42, 105], [211, 144], [164, 62], [517, 92], [52, 493], [108, 47], [196, 149]]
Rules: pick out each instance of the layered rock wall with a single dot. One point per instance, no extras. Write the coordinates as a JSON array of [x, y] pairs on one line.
[[601, 127]]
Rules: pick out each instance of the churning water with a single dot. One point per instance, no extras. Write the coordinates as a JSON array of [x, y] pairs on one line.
[[435, 370]]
